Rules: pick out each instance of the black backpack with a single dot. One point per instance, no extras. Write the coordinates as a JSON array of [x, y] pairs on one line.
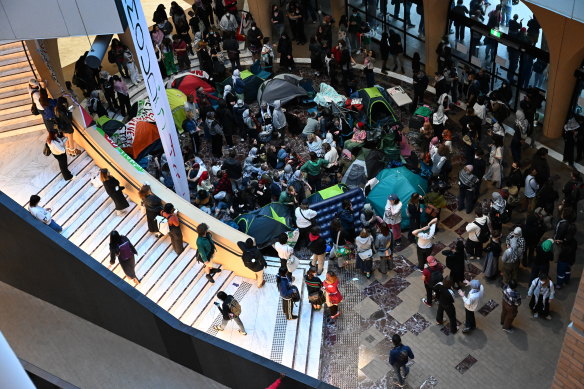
[[111, 56], [294, 293], [403, 357], [435, 277], [484, 234]]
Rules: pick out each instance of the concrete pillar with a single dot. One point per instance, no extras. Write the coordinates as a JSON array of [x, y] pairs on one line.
[[435, 21], [262, 15], [45, 56], [338, 9], [566, 49]]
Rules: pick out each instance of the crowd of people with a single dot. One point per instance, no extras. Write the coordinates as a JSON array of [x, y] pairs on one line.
[[241, 157]]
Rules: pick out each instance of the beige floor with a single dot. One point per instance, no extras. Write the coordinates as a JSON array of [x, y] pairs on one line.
[[82, 353]]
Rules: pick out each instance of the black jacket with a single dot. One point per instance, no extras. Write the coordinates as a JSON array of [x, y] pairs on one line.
[[318, 246], [233, 168], [446, 298]]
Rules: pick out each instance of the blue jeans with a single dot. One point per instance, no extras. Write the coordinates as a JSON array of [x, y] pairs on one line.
[[55, 226], [397, 367], [563, 272], [506, 15]]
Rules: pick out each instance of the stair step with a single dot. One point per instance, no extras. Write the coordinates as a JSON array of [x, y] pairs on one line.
[[21, 131], [20, 122], [205, 298], [207, 316], [19, 111], [16, 79], [186, 264], [78, 164], [77, 225], [160, 269], [11, 48], [20, 101], [10, 44], [71, 189], [159, 250], [197, 292], [76, 202], [15, 68], [292, 326], [13, 92], [13, 58], [183, 281], [303, 331]]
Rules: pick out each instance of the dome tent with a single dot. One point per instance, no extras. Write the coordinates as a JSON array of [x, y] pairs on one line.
[[177, 100], [266, 223], [189, 83], [400, 181], [376, 106], [283, 87]]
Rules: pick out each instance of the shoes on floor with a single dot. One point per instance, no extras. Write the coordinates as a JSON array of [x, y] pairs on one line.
[[210, 278], [508, 330], [466, 330], [218, 328], [294, 317], [426, 302], [535, 315], [242, 332], [398, 384]]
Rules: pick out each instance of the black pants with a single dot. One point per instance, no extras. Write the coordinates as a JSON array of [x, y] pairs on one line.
[[302, 238], [333, 310], [110, 96], [428, 293], [459, 30], [474, 249], [235, 64], [314, 182], [288, 308], [528, 255], [62, 159], [422, 255], [217, 145], [176, 239], [469, 319], [542, 307], [450, 312], [125, 106]]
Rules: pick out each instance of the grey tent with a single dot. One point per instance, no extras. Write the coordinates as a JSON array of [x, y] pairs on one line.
[[283, 87]]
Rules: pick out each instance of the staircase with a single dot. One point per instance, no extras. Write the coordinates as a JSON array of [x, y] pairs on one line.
[[177, 282], [15, 71]]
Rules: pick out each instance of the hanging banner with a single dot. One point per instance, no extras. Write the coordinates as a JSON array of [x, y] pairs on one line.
[[156, 91]]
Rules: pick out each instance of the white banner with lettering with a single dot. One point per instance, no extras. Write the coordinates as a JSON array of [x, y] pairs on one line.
[[155, 88]]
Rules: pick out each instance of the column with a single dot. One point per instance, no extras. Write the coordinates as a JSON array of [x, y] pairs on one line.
[[566, 49], [435, 21], [338, 9], [261, 11]]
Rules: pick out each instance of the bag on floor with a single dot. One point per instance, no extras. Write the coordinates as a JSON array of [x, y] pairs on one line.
[[162, 224]]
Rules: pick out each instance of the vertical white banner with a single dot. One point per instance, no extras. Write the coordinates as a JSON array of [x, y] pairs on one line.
[[156, 91]]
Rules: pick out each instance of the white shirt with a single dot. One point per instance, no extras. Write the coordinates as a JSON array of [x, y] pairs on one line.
[[303, 216], [284, 250], [425, 238], [41, 214], [332, 156], [472, 301], [474, 230], [392, 214]]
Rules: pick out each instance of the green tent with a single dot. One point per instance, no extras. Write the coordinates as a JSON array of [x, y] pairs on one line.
[[400, 181], [376, 106], [327, 193], [177, 100], [266, 223]]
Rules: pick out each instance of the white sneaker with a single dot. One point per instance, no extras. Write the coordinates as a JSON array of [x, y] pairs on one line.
[[535, 315]]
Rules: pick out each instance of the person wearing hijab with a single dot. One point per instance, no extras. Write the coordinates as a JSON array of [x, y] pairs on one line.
[[278, 118], [237, 84], [498, 206], [472, 301], [204, 182], [467, 182], [250, 128], [439, 117], [228, 95]]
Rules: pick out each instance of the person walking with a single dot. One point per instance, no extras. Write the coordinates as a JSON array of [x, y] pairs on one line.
[[57, 147], [432, 275], [509, 306], [314, 288], [393, 217], [564, 237], [254, 260], [42, 214], [64, 121], [121, 247], [364, 247], [175, 233], [287, 291], [305, 219], [472, 300], [541, 292], [446, 304], [332, 293], [530, 191], [317, 246], [424, 243], [206, 251], [115, 191], [399, 356], [230, 310], [153, 206], [384, 51], [123, 95], [414, 212]]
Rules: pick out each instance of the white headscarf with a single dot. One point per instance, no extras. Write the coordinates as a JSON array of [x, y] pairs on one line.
[[226, 91]]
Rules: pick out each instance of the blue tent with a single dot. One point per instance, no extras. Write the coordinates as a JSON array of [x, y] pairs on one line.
[[400, 181]]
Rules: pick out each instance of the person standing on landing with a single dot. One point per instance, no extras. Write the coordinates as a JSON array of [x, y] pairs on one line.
[[393, 217], [121, 247], [206, 250], [174, 232], [424, 244], [42, 214], [153, 207], [333, 295], [284, 284], [317, 247], [253, 259], [432, 276], [471, 304], [511, 302], [399, 356], [230, 310], [56, 144], [114, 190]]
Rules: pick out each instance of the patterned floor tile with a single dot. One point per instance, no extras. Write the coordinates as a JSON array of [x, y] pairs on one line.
[[403, 266], [416, 324], [376, 369], [396, 285], [371, 337], [366, 308], [437, 247], [462, 229], [446, 327], [451, 220], [471, 272], [466, 364], [382, 296], [388, 326], [488, 307]]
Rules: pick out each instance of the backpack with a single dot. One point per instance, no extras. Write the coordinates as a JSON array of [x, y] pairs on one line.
[[233, 305], [403, 357], [435, 277], [295, 293], [484, 234], [125, 251], [111, 56]]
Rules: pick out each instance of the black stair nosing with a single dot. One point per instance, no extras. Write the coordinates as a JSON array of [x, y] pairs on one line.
[[174, 261], [54, 200], [200, 292], [41, 194], [191, 284], [90, 198], [75, 195], [159, 242], [178, 277], [101, 208], [93, 252], [222, 286]]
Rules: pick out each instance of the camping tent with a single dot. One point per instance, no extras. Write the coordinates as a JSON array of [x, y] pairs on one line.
[[266, 223], [328, 202], [146, 139], [189, 83], [400, 181], [376, 106], [177, 99], [283, 87], [252, 79], [111, 126]]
